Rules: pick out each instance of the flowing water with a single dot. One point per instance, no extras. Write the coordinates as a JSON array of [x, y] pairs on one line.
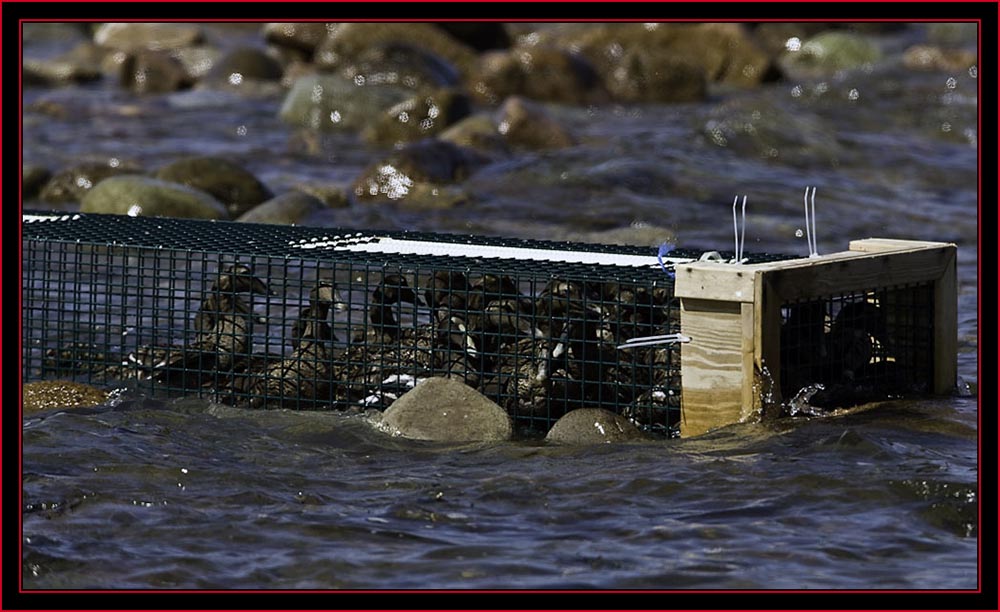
[[143, 493]]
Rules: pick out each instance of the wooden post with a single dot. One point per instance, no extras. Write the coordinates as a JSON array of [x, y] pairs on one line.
[[732, 313]]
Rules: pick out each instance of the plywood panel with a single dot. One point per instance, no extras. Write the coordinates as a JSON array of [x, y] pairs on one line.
[[711, 365]]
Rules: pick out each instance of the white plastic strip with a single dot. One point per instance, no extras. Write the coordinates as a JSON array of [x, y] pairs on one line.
[[384, 244], [37, 218]]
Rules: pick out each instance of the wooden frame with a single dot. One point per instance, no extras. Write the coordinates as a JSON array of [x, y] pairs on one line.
[[730, 370]]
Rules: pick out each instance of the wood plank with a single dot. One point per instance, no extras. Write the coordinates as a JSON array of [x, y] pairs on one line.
[[856, 271], [715, 281], [711, 365], [881, 245], [946, 328]]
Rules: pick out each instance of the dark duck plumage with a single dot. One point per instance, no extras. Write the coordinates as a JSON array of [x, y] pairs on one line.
[[302, 379], [382, 356], [223, 325]]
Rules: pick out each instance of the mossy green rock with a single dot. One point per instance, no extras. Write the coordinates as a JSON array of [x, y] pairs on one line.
[[347, 41], [331, 102], [593, 426], [49, 394], [446, 410], [226, 181], [834, 50], [428, 162], [140, 195]]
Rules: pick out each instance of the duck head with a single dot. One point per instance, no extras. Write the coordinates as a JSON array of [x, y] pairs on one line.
[[239, 278]]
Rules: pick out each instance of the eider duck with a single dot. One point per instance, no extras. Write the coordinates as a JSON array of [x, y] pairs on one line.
[[301, 380], [224, 324]]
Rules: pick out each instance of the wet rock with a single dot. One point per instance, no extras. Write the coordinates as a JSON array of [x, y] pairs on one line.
[[226, 181], [151, 36], [152, 72], [664, 53], [776, 37], [527, 125], [197, 61], [431, 162], [48, 73], [301, 37], [140, 195], [420, 116], [832, 51], [540, 73], [925, 57], [763, 129], [331, 195], [446, 410], [401, 65], [953, 34], [593, 426], [73, 183], [348, 41], [480, 35], [33, 178], [49, 394], [642, 77], [287, 209], [477, 132], [331, 102], [244, 64]]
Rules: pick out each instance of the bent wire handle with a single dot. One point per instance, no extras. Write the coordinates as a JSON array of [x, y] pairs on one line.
[[654, 341]]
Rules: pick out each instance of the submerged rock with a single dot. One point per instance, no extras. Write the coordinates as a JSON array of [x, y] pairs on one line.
[[477, 132], [287, 209], [49, 394], [228, 182], [141, 195], [593, 426], [446, 410]]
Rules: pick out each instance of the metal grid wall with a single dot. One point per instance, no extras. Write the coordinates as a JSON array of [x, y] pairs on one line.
[[272, 316], [852, 348]]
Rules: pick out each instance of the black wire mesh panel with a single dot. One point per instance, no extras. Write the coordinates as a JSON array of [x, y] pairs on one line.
[[266, 316], [851, 348]]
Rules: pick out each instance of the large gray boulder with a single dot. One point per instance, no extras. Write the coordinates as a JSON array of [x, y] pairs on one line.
[[446, 410]]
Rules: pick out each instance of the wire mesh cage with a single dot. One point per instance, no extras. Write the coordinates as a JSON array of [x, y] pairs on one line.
[[263, 316], [303, 318]]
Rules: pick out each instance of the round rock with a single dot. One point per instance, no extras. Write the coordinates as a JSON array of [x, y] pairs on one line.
[[331, 102], [48, 394], [226, 181], [73, 183], [154, 36], [287, 209], [246, 63], [593, 426], [140, 195], [446, 410]]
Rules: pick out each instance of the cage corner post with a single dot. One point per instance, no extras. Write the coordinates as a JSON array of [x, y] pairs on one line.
[[721, 313]]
